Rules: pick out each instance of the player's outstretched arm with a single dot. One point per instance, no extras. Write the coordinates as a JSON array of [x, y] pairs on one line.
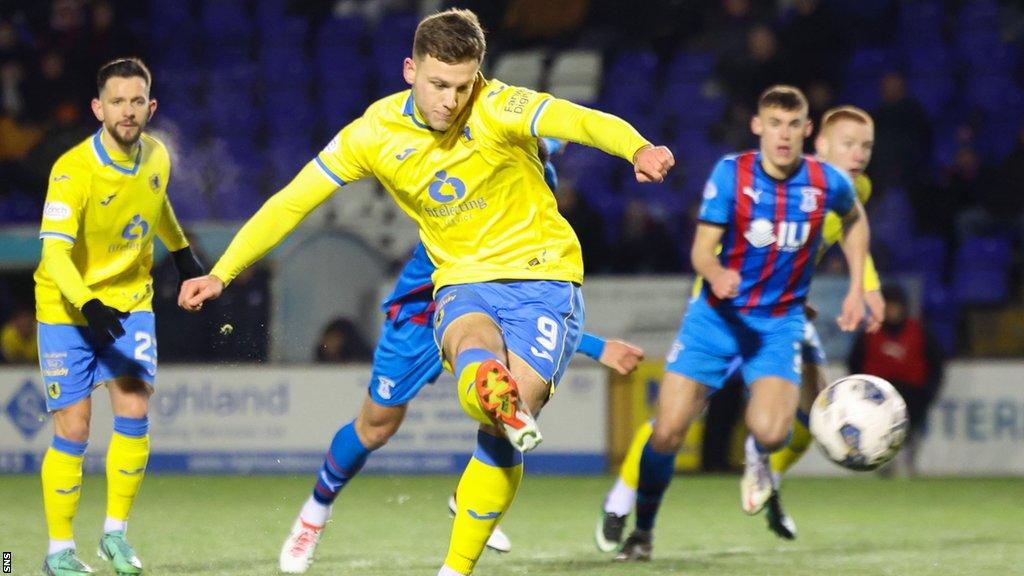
[[274, 221], [856, 237], [564, 120]]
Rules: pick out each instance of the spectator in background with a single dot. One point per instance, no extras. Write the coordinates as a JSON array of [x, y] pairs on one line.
[[759, 67], [341, 343], [815, 41], [963, 195], [644, 245], [108, 36], [18, 338], [906, 355], [588, 224], [1000, 199], [903, 137]]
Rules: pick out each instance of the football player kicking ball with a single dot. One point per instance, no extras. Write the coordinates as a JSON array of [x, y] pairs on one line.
[[405, 360], [765, 210], [458, 153]]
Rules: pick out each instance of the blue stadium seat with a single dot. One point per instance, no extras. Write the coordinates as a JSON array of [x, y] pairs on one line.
[[864, 93], [920, 22], [981, 287], [225, 21], [993, 94], [934, 92], [928, 58], [287, 33], [978, 15], [689, 67], [349, 31], [982, 270], [870, 63]]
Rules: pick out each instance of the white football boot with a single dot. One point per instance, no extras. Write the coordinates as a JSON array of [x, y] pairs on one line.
[[756, 486], [297, 552]]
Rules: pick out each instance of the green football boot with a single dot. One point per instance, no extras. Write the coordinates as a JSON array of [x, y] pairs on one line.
[[117, 550], [65, 563]]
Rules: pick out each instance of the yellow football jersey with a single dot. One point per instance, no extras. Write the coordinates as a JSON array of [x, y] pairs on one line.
[[477, 190], [832, 232], [482, 205], [109, 207]]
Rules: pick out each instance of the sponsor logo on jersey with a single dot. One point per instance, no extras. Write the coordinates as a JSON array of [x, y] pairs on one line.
[[135, 229], [446, 188], [789, 236], [56, 211]]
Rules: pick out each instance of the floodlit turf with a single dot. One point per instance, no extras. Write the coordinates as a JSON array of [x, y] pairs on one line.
[[399, 525]]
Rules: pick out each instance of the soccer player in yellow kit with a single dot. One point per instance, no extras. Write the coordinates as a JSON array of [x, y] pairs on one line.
[[845, 140], [107, 200], [458, 153]]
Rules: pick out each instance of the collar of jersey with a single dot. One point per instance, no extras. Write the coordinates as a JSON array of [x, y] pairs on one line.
[[411, 112], [759, 167], [106, 160]]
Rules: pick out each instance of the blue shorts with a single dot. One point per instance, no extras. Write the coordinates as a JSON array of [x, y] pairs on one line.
[[72, 366], [541, 321], [406, 359], [710, 339], [810, 349]]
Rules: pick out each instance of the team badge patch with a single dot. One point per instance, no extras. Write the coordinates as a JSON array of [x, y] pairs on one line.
[[53, 389], [809, 200]]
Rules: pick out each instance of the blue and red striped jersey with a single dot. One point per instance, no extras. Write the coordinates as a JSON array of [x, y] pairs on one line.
[[772, 228]]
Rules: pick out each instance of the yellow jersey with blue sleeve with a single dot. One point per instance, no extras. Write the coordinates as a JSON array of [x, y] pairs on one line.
[[477, 191], [832, 232], [102, 210]]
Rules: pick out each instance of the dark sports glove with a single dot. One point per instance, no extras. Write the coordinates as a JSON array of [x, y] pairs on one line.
[[104, 321], [187, 265]]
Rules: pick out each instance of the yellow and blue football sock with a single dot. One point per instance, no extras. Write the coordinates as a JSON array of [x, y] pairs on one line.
[[466, 365], [344, 459], [61, 476], [799, 440], [655, 475], [622, 497], [127, 457], [485, 492]]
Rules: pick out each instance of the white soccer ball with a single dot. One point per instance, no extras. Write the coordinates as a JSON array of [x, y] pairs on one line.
[[859, 421]]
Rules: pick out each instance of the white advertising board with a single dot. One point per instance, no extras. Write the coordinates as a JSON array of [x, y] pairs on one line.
[[206, 419]]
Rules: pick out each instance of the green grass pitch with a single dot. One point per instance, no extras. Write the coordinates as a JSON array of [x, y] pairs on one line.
[[188, 525]]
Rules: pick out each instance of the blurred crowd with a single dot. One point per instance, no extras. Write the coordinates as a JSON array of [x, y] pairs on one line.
[[942, 78]]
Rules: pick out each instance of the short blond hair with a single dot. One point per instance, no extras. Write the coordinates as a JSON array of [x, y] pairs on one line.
[[852, 113]]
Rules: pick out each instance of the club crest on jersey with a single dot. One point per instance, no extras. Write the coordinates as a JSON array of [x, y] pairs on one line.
[[384, 387], [154, 182], [809, 199], [53, 389]]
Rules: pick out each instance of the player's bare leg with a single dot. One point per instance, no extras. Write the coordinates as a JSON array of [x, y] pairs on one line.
[[769, 417], [680, 400], [488, 389], [779, 522]]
